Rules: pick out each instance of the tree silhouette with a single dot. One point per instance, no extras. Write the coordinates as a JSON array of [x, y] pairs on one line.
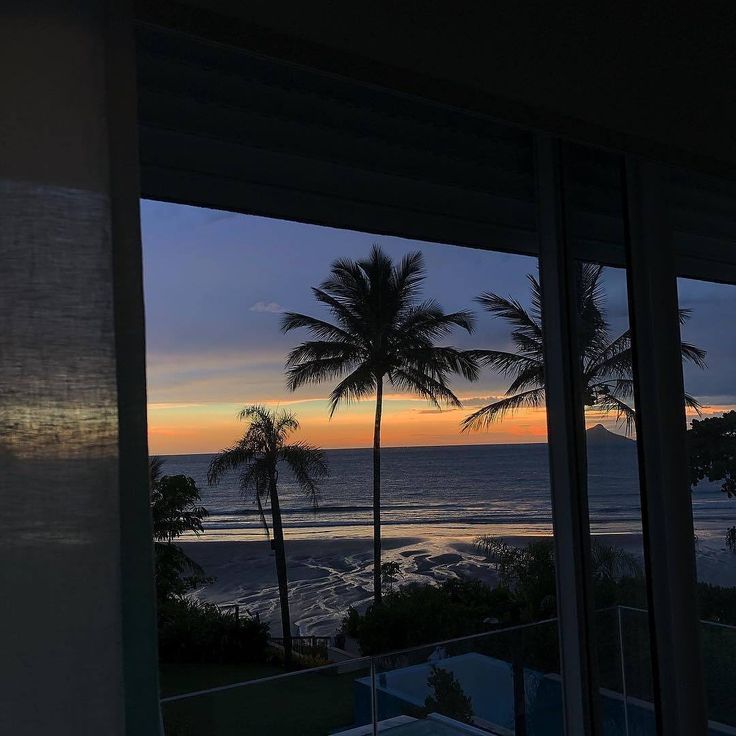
[[606, 365], [258, 455], [175, 509], [381, 334]]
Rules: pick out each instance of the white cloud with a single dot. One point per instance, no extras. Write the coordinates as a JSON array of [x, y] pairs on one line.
[[272, 307]]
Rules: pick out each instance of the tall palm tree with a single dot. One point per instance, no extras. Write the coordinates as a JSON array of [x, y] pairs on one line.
[[258, 455], [381, 334], [607, 369]]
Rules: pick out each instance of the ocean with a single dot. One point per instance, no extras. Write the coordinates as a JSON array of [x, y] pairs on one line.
[[498, 489]]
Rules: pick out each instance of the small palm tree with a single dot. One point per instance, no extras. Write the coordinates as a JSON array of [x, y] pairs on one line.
[[175, 510], [258, 455], [381, 334], [607, 369]]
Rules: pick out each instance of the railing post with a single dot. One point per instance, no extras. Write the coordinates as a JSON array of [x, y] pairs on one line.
[[517, 660], [623, 669], [374, 704]]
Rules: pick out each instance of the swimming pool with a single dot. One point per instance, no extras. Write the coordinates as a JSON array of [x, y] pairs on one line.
[[488, 682]]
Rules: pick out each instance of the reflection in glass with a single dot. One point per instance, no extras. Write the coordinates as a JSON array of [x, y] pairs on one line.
[[711, 439]]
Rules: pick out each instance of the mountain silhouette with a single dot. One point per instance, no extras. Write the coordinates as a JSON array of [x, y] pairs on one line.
[[599, 435]]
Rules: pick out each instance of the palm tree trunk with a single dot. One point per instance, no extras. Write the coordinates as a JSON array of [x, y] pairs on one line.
[[377, 493], [280, 553]]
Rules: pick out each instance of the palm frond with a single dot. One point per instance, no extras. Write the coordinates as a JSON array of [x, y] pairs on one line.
[[318, 327], [227, 460], [485, 416], [625, 414], [316, 371], [432, 388], [427, 321], [316, 350], [309, 466], [513, 312], [155, 468], [348, 281], [528, 345], [536, 291], [285, 423], [530, 377], [345, 312], [507, 364], [612, 359], [360, 383], [592, 327], [408, 275], [693, 354], [692, 403], [438, 361]]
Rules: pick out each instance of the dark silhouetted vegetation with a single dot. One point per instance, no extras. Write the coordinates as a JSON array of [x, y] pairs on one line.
[[382, 334], [712, 451], [606, 360], [258, 455], [190, 631], [421, 614], [175, 509], [390, 572], [448, 696], [193, 632]]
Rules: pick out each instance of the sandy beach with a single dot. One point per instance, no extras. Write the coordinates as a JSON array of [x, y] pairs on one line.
[[328, 575]]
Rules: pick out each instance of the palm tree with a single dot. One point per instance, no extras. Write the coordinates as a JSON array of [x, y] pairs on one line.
[[607, 370], [175, 510], [381, 334], [258, 455]]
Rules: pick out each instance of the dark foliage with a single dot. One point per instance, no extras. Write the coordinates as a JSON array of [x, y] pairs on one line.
[[448, 696], [605, 360], [717, 604], [175, 509], [528, 573], [176, 573], [194, 632], [381, 333], [258, 455], [712, 451], [422, 614], [381, 329], [731, 538]]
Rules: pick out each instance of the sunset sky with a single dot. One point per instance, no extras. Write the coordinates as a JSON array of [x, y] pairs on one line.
[[216, 283]]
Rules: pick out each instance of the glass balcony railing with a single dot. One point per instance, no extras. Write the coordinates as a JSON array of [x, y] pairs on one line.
[[502, 682]]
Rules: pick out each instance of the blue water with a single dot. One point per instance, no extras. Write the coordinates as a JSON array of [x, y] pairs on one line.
[[504, 486], [488, 682]]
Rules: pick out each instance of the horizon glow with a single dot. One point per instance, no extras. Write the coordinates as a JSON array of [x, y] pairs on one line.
[[216, 283]]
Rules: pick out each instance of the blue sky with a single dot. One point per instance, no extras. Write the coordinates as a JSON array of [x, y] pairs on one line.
[[216, 282]]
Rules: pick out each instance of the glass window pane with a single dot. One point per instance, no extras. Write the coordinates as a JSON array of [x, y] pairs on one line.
[[465, 506], [619, 586], [709, 334]]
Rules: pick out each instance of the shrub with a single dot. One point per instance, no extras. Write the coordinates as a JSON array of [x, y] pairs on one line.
[[194, 632], [716, 603], [421, 614], [731, 538], [448, 696]]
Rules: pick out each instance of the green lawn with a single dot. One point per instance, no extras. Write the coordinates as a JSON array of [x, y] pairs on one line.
[[186, 678], [308, 704]]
